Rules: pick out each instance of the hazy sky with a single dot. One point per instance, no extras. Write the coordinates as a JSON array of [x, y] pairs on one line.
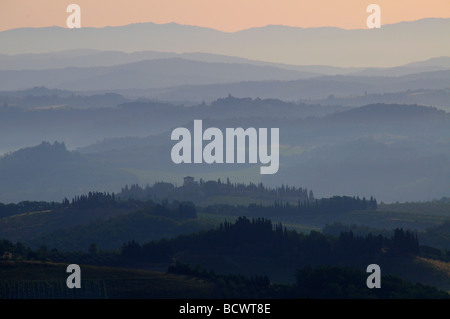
[[225, 15]]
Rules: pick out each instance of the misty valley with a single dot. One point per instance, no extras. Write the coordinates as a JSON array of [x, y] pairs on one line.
[[217, 165]]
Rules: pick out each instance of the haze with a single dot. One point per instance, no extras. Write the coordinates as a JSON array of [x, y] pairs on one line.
[[229, 16]]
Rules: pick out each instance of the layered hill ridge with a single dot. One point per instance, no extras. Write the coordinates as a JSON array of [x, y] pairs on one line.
[[413, 41]]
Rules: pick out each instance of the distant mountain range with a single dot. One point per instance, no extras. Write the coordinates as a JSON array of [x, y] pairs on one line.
[[391, 45], [157, 73], [116, 93], [95, 58], [180, 80]]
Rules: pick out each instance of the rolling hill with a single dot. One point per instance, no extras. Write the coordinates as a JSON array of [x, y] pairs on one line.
[[147, 74], [50, 172], [402, 146], [178, 80], [306, 89]]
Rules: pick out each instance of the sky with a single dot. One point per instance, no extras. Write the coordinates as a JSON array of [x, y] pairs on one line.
[[224, 15]]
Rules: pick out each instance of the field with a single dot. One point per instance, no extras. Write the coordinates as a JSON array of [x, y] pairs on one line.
[[32, 280], [436, 207]]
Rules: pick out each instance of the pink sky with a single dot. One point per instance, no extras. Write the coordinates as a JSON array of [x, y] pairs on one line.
[[225, 15]]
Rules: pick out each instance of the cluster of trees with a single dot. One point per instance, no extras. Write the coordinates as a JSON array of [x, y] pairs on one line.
[[91, 200], [19, 252], [257, 242], [321, 282], [245, 238], [261, 239], [335, 204], [229, 285], [307, 209], [400, 243], [331, 282], [193, 190], [173, 209], [139, 222], [102, 201], [287, 201], [435, 241]]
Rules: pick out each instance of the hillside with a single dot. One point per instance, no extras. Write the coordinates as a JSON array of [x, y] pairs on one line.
[[321, 87], [39, 280], [431, 97], [97, 218], [51, 172], [39, 98], [176, 80], [401, 149], [256, 249], [109, 224], [247, 258], [47, 281]]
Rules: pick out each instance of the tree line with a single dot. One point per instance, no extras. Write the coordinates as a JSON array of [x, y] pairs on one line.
[[280, 208], [194, 190]]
